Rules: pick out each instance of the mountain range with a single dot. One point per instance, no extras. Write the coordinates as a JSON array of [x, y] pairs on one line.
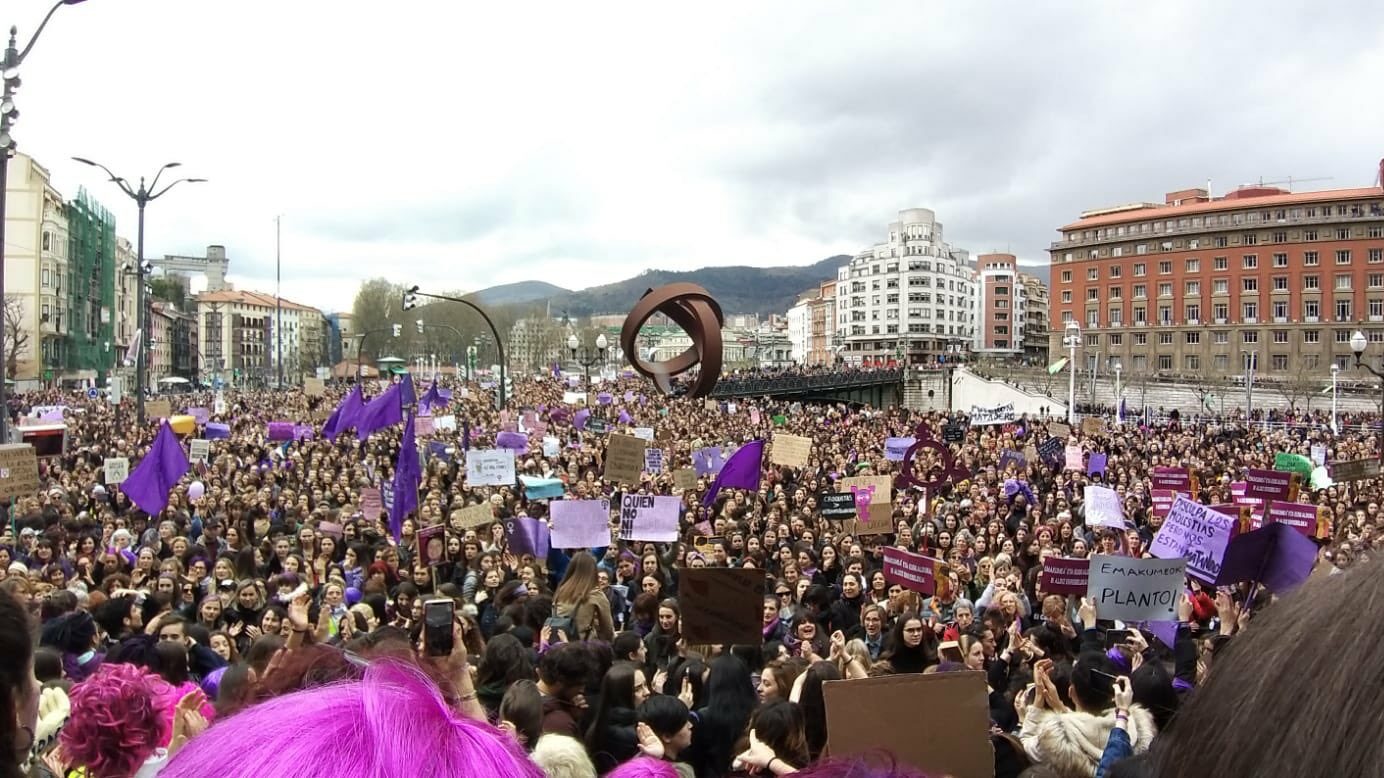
[[739, 289]]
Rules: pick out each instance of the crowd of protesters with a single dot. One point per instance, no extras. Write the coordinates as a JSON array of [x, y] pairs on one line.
[[262, 624]]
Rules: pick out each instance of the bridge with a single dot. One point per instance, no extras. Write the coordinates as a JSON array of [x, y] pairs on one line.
[[876, 388]]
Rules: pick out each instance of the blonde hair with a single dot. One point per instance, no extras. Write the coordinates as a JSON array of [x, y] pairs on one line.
[[562, 756]]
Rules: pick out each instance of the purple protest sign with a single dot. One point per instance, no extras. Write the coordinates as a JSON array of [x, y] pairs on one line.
[[527, 536], [280, 430], [1162, 501], [517, 441], [1178, 479], [1064, 576], [604, 398], [708, 461], [1011, 457], [302, 432], [217, 431], [199, 415], [1096, 464], [1197, 533], [1300, 517], [895, 449], [1271, 484], [909, 570]]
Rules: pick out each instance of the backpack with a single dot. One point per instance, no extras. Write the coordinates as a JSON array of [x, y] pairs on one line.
[[564, 624]]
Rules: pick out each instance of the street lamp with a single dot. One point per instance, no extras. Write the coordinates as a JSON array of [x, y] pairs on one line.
[[1335, 368], [142, 197], [1071, 340], [1251, 363], [584, 356], [1119, 406], [9, 71], [1358, 344], [410, 300]]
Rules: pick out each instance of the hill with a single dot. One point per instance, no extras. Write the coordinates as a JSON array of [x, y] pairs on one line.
[[521, 292]]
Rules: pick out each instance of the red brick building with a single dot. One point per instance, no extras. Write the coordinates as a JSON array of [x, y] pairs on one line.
[[1197, 284]]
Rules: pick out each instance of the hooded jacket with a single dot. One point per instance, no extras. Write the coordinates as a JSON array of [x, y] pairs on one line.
[[1072, 743]]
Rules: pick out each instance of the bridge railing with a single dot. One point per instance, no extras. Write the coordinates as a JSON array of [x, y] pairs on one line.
[[797, 384]]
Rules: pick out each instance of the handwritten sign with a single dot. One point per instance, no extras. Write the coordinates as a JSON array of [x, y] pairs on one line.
[[1178, 479], [895, 449], [18, 471], [721, 605], [1196, 533], [1092, 426], [645, 434], [199, 450], [1064, 576], [837, 505], [653, 460], [490, 467], [116, 470], [881, 502], [1131, 589], [1103, 507], [1059, 430], [910, 570], [649, 517], [580, 523], [1272, 484], [791, 450], [473, 516], [624, 459], [424, 426], [371, 503], [982, 416], [314, 387], [1075, 458], [158, 409], [1355, 470], [685, 478]]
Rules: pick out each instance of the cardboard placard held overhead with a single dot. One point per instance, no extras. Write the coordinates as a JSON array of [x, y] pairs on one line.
[[881, 512], [158, 409], [199, 449], [1059, 430], [685, 478], [116, 470], [371, 503], [314, 387], [18, 471], [1355, 470], [721, 605], [1092, 426], [473, 516], [791, 450], [624, 459], [948, 735]]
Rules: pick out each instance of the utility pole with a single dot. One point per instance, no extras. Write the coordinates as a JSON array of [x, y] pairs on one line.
[[278, 304]]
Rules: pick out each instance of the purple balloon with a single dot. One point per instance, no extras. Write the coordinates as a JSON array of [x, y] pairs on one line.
[[352, 595]]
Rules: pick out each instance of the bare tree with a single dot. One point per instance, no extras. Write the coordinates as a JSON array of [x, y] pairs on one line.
[[1205, 388], [16, 337], [1302, 384]]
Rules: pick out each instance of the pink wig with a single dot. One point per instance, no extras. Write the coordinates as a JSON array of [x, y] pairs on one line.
[[644, 767], [392, 722], [117, 721], [870, 764]]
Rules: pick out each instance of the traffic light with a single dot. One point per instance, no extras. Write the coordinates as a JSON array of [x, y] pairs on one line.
[[419, 324], [398, 328], [411, 298], [502, 397]]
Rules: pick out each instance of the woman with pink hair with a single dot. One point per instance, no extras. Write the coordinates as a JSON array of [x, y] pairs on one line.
[[120, 725], [392, 722]]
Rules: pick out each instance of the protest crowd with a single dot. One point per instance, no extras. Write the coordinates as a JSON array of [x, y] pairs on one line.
[[401, 580]]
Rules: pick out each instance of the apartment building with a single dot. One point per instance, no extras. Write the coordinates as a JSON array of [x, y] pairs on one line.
[[1201, 283]]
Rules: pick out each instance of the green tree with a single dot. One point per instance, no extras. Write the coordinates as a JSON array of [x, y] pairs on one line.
[[377, 307], [169, 290]]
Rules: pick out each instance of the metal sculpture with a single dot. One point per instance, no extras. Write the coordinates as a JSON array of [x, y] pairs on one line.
[[692, 309], [946, 472]]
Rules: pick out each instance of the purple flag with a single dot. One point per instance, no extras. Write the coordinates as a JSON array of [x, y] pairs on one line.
[[407, 395], [435, 397], [515, 440], [1276, 555], [579, 420], [383, 411], [280, 430], [406, 479], [158, 472], [1096, 464], [527, 536], [708, 461], [344, 415], [741, 470], [625, 417], [604, 398]]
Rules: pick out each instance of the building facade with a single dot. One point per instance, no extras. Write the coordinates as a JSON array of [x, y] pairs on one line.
[[237, 337], [161, 342], [821, 336], [999, 307], [1200, 285], [800, 328], [910, 298], [35, 267], [1035, 324]]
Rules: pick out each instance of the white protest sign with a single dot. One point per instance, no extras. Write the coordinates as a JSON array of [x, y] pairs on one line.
[[490, 467], [1319, 455], [647, 517], [1103, 508], [644, 433], [580, 523], [653, 460], [1194, 532], [444, 423], [117, 470], [996, 414], [1130, 589], [199, 450], [551, 446]]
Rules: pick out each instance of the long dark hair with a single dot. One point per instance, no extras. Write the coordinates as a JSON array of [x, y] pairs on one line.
[[617, 691], [16, 679], [729, 699]]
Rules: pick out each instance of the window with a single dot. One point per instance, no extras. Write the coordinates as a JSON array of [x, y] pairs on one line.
[[1194, 265], [1249, 310], [1342, 336], [1343, 310], [1311, 258], [1115, 271], [1066, 276], [1311, 309], [1375, 231], [1311, 336], [1092, 274], [1192, 338], [1193, 312], [1220, 263], [1311, 282], [1251, 261], [1249, 239], [1220, 337], [1249, 284], [1140, 315], [1165, 338], [1141, 290], [1343, 257], [1165, 315], [1309, 234], [46, 273], [1249, 336], [1279, 361], [1222, 362], [1191, 361], [1139, 269], [1066, 295], [1220, 311], [1343, 281], [1376, 280], [1116, 316], [1280, 260], [1142, 248], [1092, 293], [1093, 340], [1116, 292], [1165, 290], [1193, 288], [1164, 268], [1280, 309], [1342, 233], [1376, 256], [1220, 241], [1165, 362], [1116, 339], [1280, 336], [1280, 237], [1220, 286], [1141, 338], [1280, 283], [1376, 307]]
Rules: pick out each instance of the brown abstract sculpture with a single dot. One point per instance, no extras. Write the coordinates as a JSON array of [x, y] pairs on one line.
[[692, 309]]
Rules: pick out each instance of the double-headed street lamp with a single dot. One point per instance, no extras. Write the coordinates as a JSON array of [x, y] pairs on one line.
[[585, 356], [1071, 340], [10, 61], [142, 196], [1358, 344]]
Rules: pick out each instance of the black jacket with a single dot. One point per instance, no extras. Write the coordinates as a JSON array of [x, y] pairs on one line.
[[616, 742]]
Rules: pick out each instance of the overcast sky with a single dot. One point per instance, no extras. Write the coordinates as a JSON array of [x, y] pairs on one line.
[[465, 144]]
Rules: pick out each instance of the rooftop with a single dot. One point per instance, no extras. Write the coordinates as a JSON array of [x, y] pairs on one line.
[[1238, 200], [250, 298]]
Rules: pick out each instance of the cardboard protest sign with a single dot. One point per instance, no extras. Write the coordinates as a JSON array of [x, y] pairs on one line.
[[946, 735], [881, 511], [1179, 479], [424, 426], [1162, 501], [1013, 458], [645, 434], [791, 450], [1303, 518], [1293, 463], [910, 570], [551, 447], [1075, 458], [116, 470], [1095, 464], [490, 467], [1103, 507], [432, 545], [371, 503], [1318, 455], [1355, 470], [1050, 452], [1272, 484], [624, 459], [580, 523], [895, 449], [721, 605], [954, 432], [653, 460], [199, 450], [473, 516], [18, 471], [158, 409], [1059, 430], [1092, 426], [837, 505], [1062, 575], [314, 387], [984, 416], [685, 478], [1196, 533], [1131, 589], [647, 517]]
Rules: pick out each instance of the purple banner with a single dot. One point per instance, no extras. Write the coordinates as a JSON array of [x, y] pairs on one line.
[[281, 430], [1064, 576], [1270, 484], [1300, 517]]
